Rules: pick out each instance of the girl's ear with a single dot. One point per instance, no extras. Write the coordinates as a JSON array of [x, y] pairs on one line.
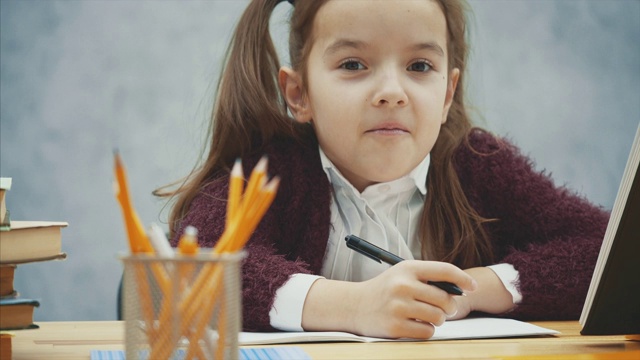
[[451, 90], [292, 89]]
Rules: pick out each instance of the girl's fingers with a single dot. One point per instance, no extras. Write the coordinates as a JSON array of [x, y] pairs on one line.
[[426, 313], [400, 303], [417, 329], [441, 271], [409, 328], [428, 294]]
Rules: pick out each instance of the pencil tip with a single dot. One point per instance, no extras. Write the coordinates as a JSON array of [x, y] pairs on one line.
[[262, 164], [273, 184], [117, 158], [191, 230], [237, 168]]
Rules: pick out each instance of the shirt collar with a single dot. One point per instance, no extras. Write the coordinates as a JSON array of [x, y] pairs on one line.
[[417, 177]]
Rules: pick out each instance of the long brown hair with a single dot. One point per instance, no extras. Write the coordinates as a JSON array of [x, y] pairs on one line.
[[250, 111], [450, 229]]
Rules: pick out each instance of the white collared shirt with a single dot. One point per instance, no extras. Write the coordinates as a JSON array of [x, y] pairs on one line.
[[385, 214]]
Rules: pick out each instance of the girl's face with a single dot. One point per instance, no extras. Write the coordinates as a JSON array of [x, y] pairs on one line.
[[378, 85]]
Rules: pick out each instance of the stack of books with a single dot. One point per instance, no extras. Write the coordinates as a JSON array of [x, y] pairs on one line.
[[21, 242]]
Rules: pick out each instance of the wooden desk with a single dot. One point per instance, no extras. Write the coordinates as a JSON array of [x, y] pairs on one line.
[[74, 340]]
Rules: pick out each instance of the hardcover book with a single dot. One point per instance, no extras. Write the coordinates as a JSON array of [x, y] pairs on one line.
[[5, 345], [29, 241], [7, 273], [17, 314], [612, 306], [5, 185]]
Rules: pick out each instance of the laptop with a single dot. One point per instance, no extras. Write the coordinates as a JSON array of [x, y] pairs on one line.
[[612, 306]]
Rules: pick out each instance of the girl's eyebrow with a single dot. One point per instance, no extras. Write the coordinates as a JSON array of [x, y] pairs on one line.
[[340, 44], [343, 43], [430, 46]]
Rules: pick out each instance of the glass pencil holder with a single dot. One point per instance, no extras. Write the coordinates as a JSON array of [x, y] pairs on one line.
[[182, 307]]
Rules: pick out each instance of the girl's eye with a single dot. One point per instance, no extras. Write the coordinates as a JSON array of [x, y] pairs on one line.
[[352, 65], [419, 66]]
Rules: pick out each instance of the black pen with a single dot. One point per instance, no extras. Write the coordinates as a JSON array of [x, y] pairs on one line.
[[371, 251]]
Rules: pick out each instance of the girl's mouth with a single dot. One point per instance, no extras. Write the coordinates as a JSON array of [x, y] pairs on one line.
[[389, 129]]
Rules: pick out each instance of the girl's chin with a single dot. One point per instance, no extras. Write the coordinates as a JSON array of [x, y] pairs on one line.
[[383, 176]]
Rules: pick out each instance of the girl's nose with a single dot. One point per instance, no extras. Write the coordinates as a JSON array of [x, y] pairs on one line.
[[390, 91]]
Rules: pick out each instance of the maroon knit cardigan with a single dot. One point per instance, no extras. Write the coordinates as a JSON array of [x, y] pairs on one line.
[[550, 235]]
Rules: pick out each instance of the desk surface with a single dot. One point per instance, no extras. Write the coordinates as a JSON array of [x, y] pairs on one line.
[[74, 340]]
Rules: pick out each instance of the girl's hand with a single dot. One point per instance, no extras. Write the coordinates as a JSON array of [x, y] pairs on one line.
[[490, 297], [400, 303], [396, 303], [464, 308]]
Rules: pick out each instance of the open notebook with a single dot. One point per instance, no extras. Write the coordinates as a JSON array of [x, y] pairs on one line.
[[613, 301], [470, 328]]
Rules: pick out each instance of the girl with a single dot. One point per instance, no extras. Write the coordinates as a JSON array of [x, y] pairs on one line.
[[369, 133]]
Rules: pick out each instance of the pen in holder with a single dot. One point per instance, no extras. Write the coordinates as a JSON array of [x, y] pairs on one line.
[[182, 307]]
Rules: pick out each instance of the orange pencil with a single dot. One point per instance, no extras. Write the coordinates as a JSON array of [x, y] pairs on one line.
[[252, 217], [235, 191], [244, 212], [198, 331], [138, 241], [256, 181], [188, 243], [258, 173], [161, 344]]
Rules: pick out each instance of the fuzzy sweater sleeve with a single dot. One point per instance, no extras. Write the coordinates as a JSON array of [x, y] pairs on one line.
[[283, 244], [551, 235]]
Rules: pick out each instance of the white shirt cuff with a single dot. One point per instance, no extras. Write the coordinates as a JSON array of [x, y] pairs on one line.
[[509, 277], [286, 313]]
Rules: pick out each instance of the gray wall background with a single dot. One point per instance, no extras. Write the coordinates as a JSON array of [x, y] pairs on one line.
[[80, 78]]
